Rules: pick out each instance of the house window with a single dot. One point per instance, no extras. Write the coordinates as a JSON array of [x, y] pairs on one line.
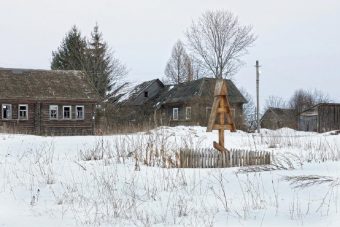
[[53, 112], [146, 94], [80, 112], [175, 114], [188, 113], [66, 112], [23, 112], [6, 111]]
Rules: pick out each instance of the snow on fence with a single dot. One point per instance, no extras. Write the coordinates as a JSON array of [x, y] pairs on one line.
[[211, 158]]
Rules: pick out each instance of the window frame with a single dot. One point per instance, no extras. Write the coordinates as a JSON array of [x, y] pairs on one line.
[[188, 110], [49, 112], [173, 114], [2, 113], [20, 118], [70, 112], [83, 111]]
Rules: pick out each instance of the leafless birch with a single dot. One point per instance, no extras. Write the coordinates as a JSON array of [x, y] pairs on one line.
[[219, 41]]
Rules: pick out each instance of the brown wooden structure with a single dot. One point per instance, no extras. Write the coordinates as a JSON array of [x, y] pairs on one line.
[[275, 118], [46, 102], [187, 103], [211, 158], [323, 117], [220, 118]]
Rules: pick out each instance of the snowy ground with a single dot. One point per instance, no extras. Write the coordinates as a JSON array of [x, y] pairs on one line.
[[52, 181]]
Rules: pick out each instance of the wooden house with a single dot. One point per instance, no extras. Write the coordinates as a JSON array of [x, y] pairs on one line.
[[46, 102], [275, 118], [323, 117], [190, 103], [187, 103]]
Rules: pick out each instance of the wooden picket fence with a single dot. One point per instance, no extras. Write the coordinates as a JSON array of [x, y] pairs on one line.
[[211, 158]]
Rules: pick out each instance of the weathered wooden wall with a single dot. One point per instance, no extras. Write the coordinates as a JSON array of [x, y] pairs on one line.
[[328, 117], [38, 121], [199, 115]]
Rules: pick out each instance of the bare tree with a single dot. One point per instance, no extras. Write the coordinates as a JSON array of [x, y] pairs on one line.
[[199, 69], [219, 41], [179, 67], [305, 99], [275, 102]]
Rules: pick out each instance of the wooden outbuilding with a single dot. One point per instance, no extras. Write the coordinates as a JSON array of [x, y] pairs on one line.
[[47, 102], [276, 118], [323, 117]]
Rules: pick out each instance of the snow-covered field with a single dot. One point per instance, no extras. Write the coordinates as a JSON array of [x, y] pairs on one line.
[[92, 181]]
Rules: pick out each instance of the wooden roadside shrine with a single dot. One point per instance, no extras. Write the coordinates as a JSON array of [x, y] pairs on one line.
[[220, 118]]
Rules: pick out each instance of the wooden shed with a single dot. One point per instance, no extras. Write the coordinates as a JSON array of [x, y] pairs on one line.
[[323, 117], [275, 118], [47, 102]]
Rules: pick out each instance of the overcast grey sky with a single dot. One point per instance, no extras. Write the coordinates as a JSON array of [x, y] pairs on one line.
[[297, 46]]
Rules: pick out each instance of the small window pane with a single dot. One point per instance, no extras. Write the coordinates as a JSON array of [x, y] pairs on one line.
[[53, 112], [175, 113], [23, 112], [6, 111], [188, 113], [67, 112], [80, 112]]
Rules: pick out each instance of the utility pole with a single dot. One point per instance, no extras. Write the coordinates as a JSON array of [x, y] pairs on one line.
[[258, 96]]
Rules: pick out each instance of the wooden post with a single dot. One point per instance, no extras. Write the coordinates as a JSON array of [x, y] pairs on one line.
[[220, 118]]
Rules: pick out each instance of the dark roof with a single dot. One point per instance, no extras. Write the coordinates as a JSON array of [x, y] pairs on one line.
[[130, 96], [202, 87], [45, 85], [279, 112], [183, 92]]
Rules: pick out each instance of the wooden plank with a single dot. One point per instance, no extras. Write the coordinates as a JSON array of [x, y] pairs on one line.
[[213, 114], [222, 110], [224, 127]]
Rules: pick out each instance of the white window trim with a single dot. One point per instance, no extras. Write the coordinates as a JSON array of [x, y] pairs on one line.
[[187, 117], [83, 107], [2, 116], [19, 118], [49, 112], [173, 114], [70, 113]]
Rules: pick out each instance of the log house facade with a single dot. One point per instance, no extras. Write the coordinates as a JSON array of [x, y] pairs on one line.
[[46, 102]]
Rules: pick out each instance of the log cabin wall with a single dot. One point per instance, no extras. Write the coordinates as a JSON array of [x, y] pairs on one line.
[[36, 90], [72, 126], [38, 118]]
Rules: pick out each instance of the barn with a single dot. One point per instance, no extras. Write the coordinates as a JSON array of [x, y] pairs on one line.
[[323, 117], [46, 102]]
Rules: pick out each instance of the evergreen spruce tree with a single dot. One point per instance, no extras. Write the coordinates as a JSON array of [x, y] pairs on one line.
[[71, 53], [93, 57], [99, 63]]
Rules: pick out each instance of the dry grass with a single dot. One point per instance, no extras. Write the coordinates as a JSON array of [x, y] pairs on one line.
[[312, 180]]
